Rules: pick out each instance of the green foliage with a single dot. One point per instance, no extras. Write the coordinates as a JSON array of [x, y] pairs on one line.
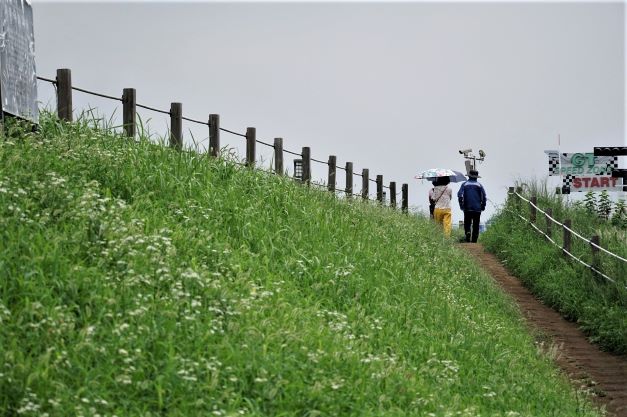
[[619, 218], [604, 205], [590, 203], [140, 281], [598, 305]]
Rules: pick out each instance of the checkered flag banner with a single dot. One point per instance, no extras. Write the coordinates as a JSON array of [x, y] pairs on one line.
[[567, 181], [603, 165]]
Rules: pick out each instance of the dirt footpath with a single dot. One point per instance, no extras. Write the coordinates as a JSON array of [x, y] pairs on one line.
[[602, 373]]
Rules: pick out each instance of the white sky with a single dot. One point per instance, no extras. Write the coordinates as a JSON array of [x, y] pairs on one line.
[[393, 87]]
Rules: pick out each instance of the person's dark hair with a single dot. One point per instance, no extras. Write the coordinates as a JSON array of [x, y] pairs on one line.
[[442, 181]]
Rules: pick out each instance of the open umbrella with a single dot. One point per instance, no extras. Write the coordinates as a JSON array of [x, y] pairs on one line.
[[431, 174]]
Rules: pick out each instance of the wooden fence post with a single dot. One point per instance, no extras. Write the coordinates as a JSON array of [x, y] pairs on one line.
[[278, 156], [380, 188], [129, 111], [214, 135], [532, 208], [176, 126], [566, 246], [306, 155], [365, 183], [64, 94], [332, 167], [393, 194], [251, 141], [549, 212], [349, 179], [404, 196]]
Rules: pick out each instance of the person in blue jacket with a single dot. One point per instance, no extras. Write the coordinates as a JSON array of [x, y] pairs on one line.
[[472, 199]]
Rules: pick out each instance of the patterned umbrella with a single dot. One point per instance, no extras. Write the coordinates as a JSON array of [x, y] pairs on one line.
[[433, 173]]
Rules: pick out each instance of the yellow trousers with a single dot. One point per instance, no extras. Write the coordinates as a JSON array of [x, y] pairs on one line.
[[443, 216]]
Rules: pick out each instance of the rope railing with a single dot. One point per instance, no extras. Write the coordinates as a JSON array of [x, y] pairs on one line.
[[592, 268], [187, 119], [47, 79], [152, 109], [265, 143], [64, 101], [195, 121], [571, 230], [292, 152], [82, 90], [232, 133], [564, 250]]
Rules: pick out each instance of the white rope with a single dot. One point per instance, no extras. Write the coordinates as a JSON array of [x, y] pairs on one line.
[[591, 267], [565, 251], [542, 211], [571, 230]]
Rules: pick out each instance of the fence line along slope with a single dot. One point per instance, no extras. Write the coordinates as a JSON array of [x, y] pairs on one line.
[[139, 280], [64, 91], [568, 234]]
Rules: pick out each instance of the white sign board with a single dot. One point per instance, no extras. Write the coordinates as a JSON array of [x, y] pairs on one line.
[[18, 79], [583, 171], [580, 164]]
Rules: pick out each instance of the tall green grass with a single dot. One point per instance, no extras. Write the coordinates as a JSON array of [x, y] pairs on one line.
[[140, 281], [596, 304]]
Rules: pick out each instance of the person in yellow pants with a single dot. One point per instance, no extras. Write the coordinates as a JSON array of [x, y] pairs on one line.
[[443, 216], [442, 195]]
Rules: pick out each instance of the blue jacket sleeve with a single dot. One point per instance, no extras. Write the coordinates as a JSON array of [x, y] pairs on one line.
[[484, 198], [460, 196]]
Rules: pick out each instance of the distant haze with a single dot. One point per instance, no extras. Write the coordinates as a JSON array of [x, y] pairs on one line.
[[393, 87]]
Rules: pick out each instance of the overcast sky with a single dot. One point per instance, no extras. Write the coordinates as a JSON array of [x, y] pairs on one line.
[[393, 87]]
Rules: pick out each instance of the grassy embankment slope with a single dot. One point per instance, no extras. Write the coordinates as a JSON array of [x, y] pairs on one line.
[[599, 306], [137, 280]]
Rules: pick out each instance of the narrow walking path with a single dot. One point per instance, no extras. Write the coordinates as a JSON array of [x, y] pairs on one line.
[[603, 373]]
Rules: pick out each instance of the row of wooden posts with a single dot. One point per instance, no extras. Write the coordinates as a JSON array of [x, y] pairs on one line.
[[129, 121], [567, 236]]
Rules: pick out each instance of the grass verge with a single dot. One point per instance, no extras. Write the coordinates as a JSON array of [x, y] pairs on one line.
[[140, 281]]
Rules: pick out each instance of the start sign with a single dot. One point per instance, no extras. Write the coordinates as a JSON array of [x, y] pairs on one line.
[[593, 182], [572, 183], [583, 171]]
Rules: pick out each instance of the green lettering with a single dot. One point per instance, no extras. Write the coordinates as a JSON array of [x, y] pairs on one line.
[[578, 159]]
